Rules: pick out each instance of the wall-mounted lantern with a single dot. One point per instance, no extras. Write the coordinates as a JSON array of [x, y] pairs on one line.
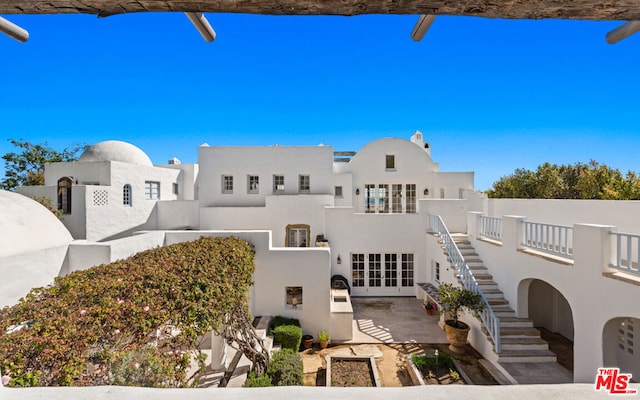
[[339, 259], [357, 191], [426, 192]]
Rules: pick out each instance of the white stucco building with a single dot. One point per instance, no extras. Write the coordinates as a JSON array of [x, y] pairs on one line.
[[367, 218]]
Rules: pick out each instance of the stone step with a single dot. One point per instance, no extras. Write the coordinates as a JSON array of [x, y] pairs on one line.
[[238, 376], [260, 333], [523, 343], [513, 322], [492, 293], [483, 277], [520, 332], [526, 356], [487, 284], [497, 302]]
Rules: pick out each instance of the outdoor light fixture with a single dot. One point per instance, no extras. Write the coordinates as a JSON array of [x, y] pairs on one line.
[[357, 191], [426, 192], [623, 32], [339, 259], [202, 25], [422, 26], [13, 30]]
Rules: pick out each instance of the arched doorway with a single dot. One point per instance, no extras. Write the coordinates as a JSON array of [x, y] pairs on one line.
[[621, 346], [64, 194], [551, 314]]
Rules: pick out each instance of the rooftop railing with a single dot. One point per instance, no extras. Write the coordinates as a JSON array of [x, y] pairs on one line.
[[491, 227], [626, 252], [488, 317], [553, 239]]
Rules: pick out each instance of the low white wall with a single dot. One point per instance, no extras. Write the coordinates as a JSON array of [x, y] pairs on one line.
[[22, 272], [277, 268], [178, 215], [453, 212]]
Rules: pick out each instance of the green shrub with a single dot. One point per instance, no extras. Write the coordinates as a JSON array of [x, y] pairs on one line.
[[278, 321], [258, 381], [289, 336], [98, 326], [285, 368], [426, 363]]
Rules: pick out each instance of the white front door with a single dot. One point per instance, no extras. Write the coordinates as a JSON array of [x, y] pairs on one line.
[[376, 274]]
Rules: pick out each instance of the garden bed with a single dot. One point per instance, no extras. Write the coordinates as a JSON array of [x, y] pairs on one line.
[[351, 371], [437, 369]]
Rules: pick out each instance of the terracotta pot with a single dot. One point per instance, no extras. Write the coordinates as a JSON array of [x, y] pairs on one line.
[[307, 341], [457, 337], [323, 345]]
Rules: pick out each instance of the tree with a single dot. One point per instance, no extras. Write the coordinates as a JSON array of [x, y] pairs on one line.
[[26, 168], [577, 181]]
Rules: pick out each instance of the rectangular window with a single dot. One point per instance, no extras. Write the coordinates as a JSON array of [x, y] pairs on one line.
[[152, 190], [304, 183], [436, 272], [227, 184], [357, 270], [442, 193], [390, 270], [461, 193], [175, 189], [383, 199], [253, 182], [375, 270], [338, 191], [278, 184], [390, 162], [369, 198], [298, 237], [293, 296], [396, 199], [411, 198], [407, 270]]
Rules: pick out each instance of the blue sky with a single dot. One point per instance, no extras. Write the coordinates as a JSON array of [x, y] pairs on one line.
[[490, 95]]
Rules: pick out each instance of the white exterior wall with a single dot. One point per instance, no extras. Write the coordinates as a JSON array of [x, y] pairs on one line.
[[346, 181], [275, 215], [178, 214], [186, 179], [451, 182], [86, 173], [412, 166], [240, 162], [453, 213]]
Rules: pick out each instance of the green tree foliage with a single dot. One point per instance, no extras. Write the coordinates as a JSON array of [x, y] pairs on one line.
[[26, 167], [577, 181], [132, 322], [48, 204], [285, 368]]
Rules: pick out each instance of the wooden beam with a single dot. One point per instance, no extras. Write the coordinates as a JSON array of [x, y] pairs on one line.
[[511, 9]]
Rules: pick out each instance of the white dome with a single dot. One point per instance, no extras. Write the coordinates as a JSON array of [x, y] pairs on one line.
[[26, 225], [115, 150]]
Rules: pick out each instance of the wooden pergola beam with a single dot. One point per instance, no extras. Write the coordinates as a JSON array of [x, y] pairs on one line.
[[510, 9]]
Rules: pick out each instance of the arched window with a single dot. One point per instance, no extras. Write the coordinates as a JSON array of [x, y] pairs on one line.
[[64, 194], [126, 195]]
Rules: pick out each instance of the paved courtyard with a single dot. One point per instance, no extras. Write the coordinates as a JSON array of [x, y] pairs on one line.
[[394, 320]]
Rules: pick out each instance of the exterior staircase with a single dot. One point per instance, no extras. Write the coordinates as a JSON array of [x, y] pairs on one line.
[[521, 342]]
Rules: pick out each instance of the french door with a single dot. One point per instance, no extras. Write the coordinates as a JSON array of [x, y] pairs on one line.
[[387, 274]]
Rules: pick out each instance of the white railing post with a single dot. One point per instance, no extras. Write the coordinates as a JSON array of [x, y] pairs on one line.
[[473, 224]]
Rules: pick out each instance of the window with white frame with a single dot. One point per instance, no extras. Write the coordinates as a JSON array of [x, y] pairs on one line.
[[297, 235], [375, 270], [176, 190], [152, 190], [304, 183], [390, 162], [227, 184], [253, 183], [278, 184], [407, 270], [410, 198], [337, 191], [126, 195], [436, 271], [391, 270], [357, 270]]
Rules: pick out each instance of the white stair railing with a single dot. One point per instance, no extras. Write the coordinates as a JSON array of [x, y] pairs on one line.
[[488, 316]]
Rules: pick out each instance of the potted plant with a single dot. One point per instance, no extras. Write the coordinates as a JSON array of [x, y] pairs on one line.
[[429, 308], [323, 339], [454, 299], [307, 341]]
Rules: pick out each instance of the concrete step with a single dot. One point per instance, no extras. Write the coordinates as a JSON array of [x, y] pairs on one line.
[[526, 356], [518, 332], [486, 284], [238, 376], [483, 277], [523, 343], [497, 302], [492, 293], [260, 333]]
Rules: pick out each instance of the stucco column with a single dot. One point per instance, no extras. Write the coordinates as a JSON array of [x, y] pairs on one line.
[[593, 251], [473, 224], [512, 232], [218, 351]]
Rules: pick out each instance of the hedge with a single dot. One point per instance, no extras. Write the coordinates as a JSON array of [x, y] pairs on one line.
[[279, 320], [98, 326], [289, 336], [285, 368]]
